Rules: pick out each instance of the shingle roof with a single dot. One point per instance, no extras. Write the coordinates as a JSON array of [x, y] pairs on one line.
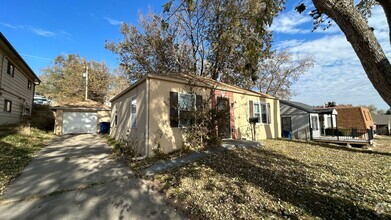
[[197, 81], [381, 119], [299, 105], [87, 104]]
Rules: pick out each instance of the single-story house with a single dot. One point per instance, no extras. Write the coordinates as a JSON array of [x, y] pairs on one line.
[[145, 113], [80, 117], [382, 124], [17, 85], [301, 120], [351, 120]]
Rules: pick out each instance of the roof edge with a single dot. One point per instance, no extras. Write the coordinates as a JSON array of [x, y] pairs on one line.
[[129, 88], [286, 102], [4, 39]]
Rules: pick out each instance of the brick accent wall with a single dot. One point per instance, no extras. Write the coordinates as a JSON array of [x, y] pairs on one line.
[[219, 93]]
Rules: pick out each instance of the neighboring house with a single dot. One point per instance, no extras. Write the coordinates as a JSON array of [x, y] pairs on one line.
[[80, 117], [349, 120], [145, 113], [382, 123], [17, 84], [301, 120]]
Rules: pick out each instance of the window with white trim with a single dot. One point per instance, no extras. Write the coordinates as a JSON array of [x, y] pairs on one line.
[[261, 110], [314, 122], [7, 105], [186, 104], [133, 113], [30, 85], [10, 68]]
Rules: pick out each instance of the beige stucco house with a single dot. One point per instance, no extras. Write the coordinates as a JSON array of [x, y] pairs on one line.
[[144, 113], [17, 85]]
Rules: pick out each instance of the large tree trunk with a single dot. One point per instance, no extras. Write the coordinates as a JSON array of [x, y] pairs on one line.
[[364, 42], [386, 5]]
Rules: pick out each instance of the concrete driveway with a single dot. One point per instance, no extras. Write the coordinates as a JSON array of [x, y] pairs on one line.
[[75, 178]]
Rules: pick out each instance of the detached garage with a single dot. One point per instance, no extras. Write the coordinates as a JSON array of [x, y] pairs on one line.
[[80, 118]]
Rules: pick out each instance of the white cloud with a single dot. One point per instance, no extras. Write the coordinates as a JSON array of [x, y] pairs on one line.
[[35, 30], [113, 21], [42, 32], [8, 25], [288, 23], [337, 74]]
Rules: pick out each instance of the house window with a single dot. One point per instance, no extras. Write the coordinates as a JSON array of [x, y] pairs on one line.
[[29, 85], [314, 123], [182, 107], [133, 114], [186, 105], [7, 105], [27, 111], [261, 110], [10, 69], [115, 116]]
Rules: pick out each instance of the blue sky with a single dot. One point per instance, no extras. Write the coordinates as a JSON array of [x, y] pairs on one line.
[[43, 29]]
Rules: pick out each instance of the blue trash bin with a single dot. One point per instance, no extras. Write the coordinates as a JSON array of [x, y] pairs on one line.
[[287, 134], [104, 127]]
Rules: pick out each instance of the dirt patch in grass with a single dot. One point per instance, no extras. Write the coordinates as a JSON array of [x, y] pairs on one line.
[[284, 179], [18, 145]]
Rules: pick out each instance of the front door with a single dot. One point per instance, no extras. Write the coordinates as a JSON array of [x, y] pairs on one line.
[[286, 124], [223, 117]]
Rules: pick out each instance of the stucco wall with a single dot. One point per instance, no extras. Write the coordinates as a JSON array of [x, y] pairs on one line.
[[242, 114], [159, 113], [103, 116], [160, 133], [58, 116], [123, 130]]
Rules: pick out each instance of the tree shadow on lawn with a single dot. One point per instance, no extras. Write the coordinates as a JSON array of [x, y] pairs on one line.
[[79, 181], [286, 179], [290, 183]]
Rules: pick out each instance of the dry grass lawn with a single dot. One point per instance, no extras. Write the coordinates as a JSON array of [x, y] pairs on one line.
[[284, 179], [18, 145], [382, 143]]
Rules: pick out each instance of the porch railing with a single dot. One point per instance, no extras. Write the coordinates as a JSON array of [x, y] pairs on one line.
[[347, 134]]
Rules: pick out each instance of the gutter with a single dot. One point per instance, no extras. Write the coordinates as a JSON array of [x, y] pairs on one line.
[[146, 124]]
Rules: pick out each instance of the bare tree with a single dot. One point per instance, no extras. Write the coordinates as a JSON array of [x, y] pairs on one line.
[[119, 81], [277, 73], [154, 49]]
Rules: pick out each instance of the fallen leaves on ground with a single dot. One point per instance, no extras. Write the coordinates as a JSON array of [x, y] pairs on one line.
[[284, 179], [18, 145]]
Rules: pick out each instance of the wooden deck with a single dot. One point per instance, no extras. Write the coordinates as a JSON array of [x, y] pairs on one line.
[[343, 140]]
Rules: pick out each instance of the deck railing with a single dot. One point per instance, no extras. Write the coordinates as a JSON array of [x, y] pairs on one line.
[[348, 134]]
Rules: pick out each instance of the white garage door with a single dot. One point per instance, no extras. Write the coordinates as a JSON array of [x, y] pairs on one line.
[[79, 122]]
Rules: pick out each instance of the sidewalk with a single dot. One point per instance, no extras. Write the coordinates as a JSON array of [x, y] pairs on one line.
[[171, 164]]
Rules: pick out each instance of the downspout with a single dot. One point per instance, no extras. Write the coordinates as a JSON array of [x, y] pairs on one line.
[[147, 93]]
